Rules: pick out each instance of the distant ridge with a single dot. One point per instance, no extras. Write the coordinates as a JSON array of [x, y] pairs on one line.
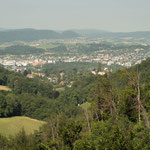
[[3, 29], [90, 32], [29, 34], [106, 34], [33, 35], [138, 34]]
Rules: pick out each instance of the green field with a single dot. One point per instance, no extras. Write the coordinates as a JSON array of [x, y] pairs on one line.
[[12, 125], [2, 47], [61, 89], [4, 88], [85, 106], [49, 46]]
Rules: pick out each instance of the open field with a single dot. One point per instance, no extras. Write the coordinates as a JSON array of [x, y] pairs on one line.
[[49, 46], [60, 89], [2, 47], [4, 88], [12, 125], [85, 105], [48, 53]]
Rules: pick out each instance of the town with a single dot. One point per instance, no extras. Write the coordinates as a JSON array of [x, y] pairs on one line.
[[124, 55]]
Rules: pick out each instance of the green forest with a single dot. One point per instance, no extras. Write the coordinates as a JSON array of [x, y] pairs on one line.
[[109, 112]]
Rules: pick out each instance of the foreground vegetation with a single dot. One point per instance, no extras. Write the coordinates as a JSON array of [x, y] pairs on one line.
[[97, 113]]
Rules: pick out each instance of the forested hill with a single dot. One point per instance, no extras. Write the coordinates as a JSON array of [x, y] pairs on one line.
[[33, 35], [21, 50]]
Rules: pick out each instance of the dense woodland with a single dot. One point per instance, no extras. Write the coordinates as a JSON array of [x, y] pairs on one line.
[[109, 112], [71, 68]]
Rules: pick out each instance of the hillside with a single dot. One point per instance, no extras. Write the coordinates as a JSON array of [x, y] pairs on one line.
[[21, 50], [11, 126], [33, 35]]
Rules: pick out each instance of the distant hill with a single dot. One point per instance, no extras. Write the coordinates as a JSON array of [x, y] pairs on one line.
[[69, 34], [21, 50], [106, 34], [138, 34], [3, 29], [90, 32], [33, 35], [11, 126]]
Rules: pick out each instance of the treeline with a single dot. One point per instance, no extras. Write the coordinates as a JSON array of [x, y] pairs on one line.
[[21, 50], [69, 67]]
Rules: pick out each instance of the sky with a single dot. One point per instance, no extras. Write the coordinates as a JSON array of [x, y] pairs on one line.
[[109, 15]]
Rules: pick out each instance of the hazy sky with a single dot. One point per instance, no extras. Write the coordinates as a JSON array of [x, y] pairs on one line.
[[111, 15]]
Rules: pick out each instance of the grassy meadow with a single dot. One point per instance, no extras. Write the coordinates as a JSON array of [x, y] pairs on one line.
[[4, 88], [85, 106], [12, 125]]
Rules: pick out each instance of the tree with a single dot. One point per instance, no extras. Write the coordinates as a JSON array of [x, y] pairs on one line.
[[134, 84], [69, 131], [105, 99], [25, 72], [84, 144], [3, 105], [13, 107], [20, 141], [99, 68], [3, 142]]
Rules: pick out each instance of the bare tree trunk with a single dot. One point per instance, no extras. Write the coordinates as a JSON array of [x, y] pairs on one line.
[[140, 106]]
